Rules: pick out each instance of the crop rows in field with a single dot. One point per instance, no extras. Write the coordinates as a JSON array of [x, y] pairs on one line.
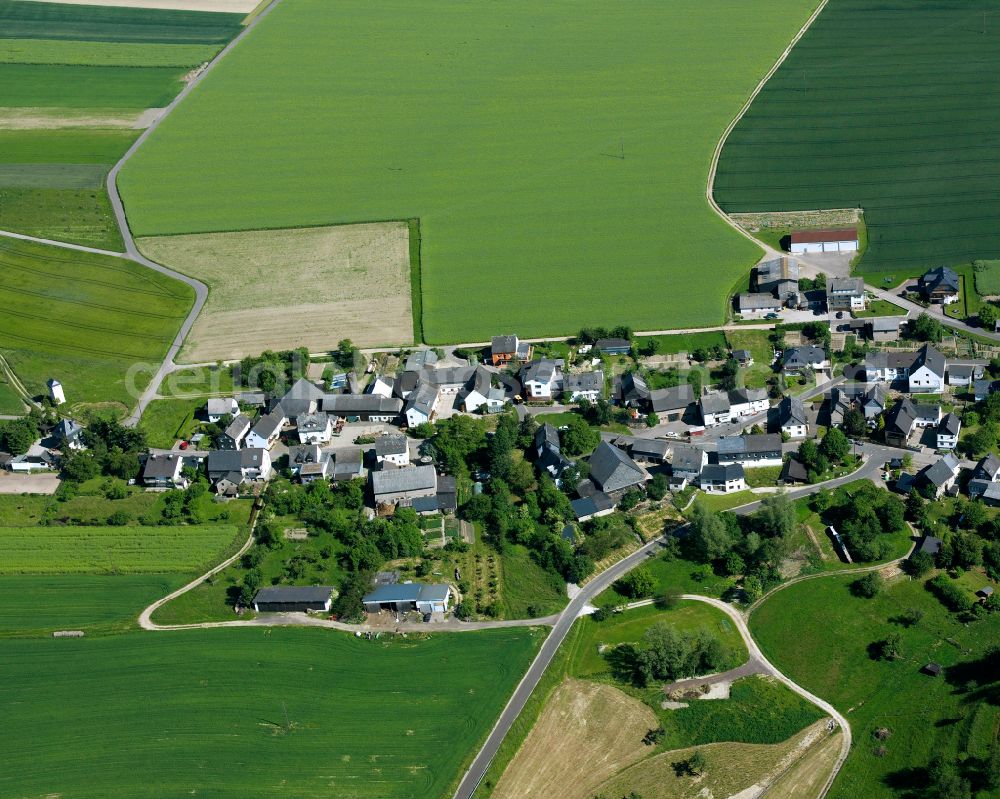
[[101, 313], [111, 550], [22, 19], [573, 195], [889, 108], [987, 275], [266, 712]]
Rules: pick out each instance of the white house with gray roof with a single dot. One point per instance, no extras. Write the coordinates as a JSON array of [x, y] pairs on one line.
[[267, 430], [314, 428], [235, 434], [948, 431], [392, 448], [722, 478], [217, 407], [793, 418], [584, 385], [542, 379], [686, 464]]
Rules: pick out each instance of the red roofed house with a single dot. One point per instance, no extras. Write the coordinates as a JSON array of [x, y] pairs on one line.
[[841, 240]]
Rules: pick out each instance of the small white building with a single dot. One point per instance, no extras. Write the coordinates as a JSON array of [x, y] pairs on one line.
[[56, 393], [392, 449], [314, 428], [948, 431], [820, 241], [793, 418], [542, 379]]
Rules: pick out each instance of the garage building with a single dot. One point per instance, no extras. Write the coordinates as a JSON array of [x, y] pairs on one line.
[[291, 598], [422, 597], [840, 240]]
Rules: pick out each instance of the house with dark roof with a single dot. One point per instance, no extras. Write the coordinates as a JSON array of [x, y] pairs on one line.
[[794, 471], [391, 448], [845, 294], [903, 418], [743, 358], [584, 385], [363, 407], [163, 471], [542, 379], [348, 464], [301, 456], [841, 402], [421, 405], [69, 434], [965, 373], [613, 346], [314, 428], [217, 407], [592, 506], [479, 393], [762, 449], [927, 372], [744, 402], [715, 408], [670, 404], [722, 478], [267, 430], [778, 277], [404, 597], [632, 390], [686, 464], [402, 486], [227, 468], [940, 475], [504, 349], [421, 359], [548, 452], [793, 418], [940, 285], [648, 450], [806, 358], [948, 431], [988, 491], [881, 328], [929, 544], [612, 471], [756, 305], [233, 437], [302, 398], [988, 468], [293, 598]]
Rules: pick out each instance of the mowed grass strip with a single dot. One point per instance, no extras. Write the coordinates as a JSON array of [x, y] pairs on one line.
[[21, 19], [556, 154], [882, 108], [99, 313], [64, 146], [103, 54], [54, 85], [261, 712], [111, 550]]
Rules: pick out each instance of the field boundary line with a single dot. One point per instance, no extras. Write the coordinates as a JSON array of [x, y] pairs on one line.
[[132, 251], [64, 244], [709, 193]]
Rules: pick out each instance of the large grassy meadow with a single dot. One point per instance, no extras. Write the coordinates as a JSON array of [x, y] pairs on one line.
[[819, 634], [85, 319], [265, 712], [556, 153], [886, 107]]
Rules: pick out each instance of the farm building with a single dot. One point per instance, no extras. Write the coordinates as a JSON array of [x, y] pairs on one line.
[[293, 598], [420, 405], [402, 486], [363, 407], [613, 346], [401, 597], [302, 398], [671, 403], [778, 277], [817, 241], [754, 306]]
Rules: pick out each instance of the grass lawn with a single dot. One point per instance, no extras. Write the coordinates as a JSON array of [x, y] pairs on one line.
[[718, 502], [563, 418], [85, 319], [818, 633], [10, 400], [757, 341], [609, 117], [526, 584], [198, 380], [37, 604], [262, 712], [679, 575], [685, 342], [801, 147], [763, 476], [880, 308], [164, 421]]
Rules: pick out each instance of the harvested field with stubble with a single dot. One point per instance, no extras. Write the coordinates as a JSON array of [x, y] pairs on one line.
[[280, 289], [587, 733]]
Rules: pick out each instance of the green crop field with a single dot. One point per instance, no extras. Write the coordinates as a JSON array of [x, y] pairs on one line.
[[21, 19], [267, 712], [64, 146], [85, 319], [818, 633], [105, 54], [112, 550], [550, 150], [987, 274], [38, 604], [50, 85], [80, 216], [884, 107]]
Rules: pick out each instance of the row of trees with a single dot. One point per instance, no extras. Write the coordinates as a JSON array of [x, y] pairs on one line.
[[17, 435]]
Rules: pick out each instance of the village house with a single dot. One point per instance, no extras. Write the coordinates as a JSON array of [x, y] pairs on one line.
[[348, 464], [584, 386], [744, 402], [302, 455], [940, 285], [229, 469], [234, 435], [612, 471], [480, 393], [542, 379], [722, 478], [548, 452], [903, 418], [646, 450], [632, 390], [803, 359], [505, 349], [824, 241], [743, 358], [302, 398], [421, 405], [69, 434], [686, 464], [715, 408], [592, 506], [879, 328], [363, 407], [762, 449], [793, 418], [948, 431], [314, 428], [982, 388], [845, 294], [923, 370], [940, 475], [965, 373], [392, 448], [401, 486], [988, 469], [163, 471], [216, 408], [670, 404], [267, 430]]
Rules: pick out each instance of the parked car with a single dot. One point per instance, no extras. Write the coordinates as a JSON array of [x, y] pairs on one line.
[[771, 316]]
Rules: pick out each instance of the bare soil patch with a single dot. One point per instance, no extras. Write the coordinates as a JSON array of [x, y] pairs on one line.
[[225, 6], [278, 289], [587, 733], [43, 483], [31, 118]]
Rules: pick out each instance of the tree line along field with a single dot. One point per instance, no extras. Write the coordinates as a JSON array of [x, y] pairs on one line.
[[820, 634], [263, 711], [555, 154], [883, 107], [93, 70], [84, 319]]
